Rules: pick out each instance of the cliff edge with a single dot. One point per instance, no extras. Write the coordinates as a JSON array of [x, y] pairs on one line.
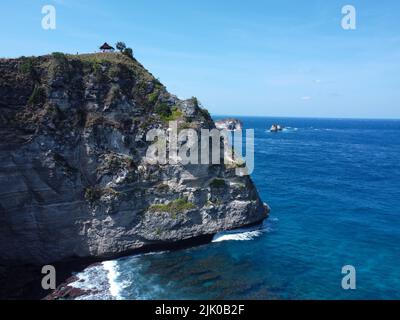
[[73, 179]]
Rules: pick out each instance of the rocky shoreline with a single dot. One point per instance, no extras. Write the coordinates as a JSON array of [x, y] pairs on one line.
[[28, 284], [67, 290]]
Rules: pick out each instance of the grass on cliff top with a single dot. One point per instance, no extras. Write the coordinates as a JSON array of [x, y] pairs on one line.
[[113, 57], [106, 57], [177, 206], [57, 59]]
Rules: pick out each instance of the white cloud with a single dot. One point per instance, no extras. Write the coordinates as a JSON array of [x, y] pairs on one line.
[[305, 98]]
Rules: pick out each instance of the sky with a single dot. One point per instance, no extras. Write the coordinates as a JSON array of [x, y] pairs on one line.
[[257, 57]]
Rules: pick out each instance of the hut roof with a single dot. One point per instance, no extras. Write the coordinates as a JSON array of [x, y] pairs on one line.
[[106, 46]]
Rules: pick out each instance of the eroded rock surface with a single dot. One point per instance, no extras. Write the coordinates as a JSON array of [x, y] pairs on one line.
[[74, 182]]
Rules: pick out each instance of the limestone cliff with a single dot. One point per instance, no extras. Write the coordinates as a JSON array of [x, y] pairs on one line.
[[73, 180]]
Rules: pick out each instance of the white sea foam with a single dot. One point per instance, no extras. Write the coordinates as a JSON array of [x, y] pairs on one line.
[[245, 234], [112, 274], [285, 129], [94, 280], [104, 280]]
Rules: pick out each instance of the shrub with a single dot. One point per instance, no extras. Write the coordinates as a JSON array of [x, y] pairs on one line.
[[128, 52], [218, 183], [157, 83], [175, 115], [121, 46], [205, 113], [163, 110], [168, 114], [61, 65], [38, 95], [59, 56], [153, 97], [177, 206], [96, 68], [26, 66]]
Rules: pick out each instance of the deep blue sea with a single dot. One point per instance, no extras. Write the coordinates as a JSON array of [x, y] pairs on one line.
[[334, 190]]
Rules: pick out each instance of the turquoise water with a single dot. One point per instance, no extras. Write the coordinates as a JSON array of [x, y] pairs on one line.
[[334, 190]]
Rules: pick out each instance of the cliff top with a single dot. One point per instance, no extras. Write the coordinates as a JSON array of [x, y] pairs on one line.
[[59, 90]]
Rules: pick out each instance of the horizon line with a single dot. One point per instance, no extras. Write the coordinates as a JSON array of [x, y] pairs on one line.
[[218, 115], [303, 117]]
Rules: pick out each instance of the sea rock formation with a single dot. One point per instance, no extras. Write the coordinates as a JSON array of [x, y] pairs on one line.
[[229, 124], [74, 182]]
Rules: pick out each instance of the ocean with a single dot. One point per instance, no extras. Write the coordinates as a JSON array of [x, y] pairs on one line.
[[334, 189]]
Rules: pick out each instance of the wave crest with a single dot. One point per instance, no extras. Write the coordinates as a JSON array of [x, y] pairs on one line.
[[244, 234]]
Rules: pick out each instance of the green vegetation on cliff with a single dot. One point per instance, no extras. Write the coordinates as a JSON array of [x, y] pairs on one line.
[[174, 207], [218, 183]]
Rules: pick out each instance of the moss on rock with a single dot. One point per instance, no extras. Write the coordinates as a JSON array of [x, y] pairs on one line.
[[174, 207]]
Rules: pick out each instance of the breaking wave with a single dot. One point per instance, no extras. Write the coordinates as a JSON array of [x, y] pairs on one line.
[[245, 234], [112, 274]]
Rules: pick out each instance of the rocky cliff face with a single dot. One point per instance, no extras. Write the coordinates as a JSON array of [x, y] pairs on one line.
[[73, 179]]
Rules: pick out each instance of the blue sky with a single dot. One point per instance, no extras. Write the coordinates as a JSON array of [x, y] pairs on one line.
[[256, 57]]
